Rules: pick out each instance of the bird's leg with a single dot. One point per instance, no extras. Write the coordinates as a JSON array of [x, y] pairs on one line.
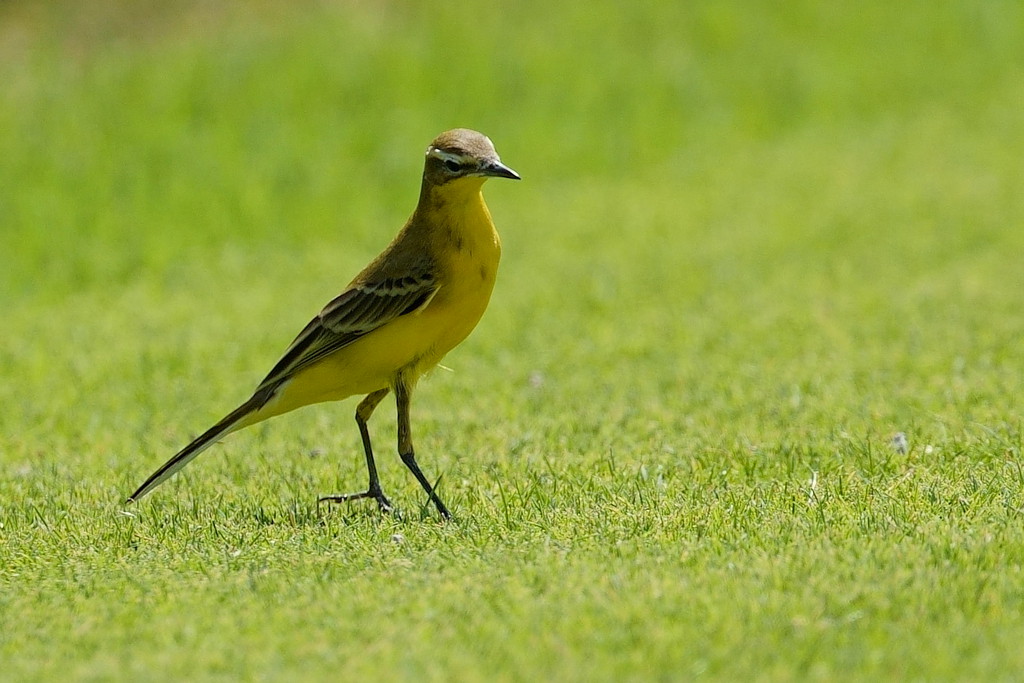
[[363, 412], [402, 396]]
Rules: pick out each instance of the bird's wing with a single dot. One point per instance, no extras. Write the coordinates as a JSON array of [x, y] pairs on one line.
[[357, 311]]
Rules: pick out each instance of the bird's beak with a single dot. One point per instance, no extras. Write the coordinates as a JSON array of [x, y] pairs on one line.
[[496, 169]]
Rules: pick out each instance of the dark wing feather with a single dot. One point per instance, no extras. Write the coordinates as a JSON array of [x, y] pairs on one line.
[[355, 312]]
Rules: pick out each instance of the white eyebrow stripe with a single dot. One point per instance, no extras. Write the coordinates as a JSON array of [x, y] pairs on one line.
[[446, 156]]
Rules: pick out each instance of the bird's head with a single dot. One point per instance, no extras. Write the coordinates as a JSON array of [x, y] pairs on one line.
[[463, 153]]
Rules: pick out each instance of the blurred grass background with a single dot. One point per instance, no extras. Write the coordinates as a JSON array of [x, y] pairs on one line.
[[752, 242]]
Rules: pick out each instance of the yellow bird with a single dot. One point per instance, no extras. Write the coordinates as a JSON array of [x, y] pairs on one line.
[[413, 304]]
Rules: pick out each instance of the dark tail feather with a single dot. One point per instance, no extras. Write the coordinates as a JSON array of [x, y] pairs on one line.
[[235, 420]]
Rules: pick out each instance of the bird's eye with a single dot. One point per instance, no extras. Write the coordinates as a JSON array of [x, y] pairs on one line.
[[452, 165]]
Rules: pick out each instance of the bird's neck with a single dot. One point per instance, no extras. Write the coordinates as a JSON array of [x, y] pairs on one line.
[[452, 195], [457, 211]]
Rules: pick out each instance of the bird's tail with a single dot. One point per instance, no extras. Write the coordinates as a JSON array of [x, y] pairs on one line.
[[242, 416]]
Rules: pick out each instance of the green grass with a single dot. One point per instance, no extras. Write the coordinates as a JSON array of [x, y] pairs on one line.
[[752, 243]]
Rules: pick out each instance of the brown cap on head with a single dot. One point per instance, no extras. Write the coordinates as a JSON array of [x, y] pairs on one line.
[[465, 142]]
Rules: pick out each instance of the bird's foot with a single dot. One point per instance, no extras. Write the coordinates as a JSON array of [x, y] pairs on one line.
[[382, 501]]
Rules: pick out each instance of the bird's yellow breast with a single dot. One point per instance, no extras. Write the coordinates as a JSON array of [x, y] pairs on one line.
[[470, 257]]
